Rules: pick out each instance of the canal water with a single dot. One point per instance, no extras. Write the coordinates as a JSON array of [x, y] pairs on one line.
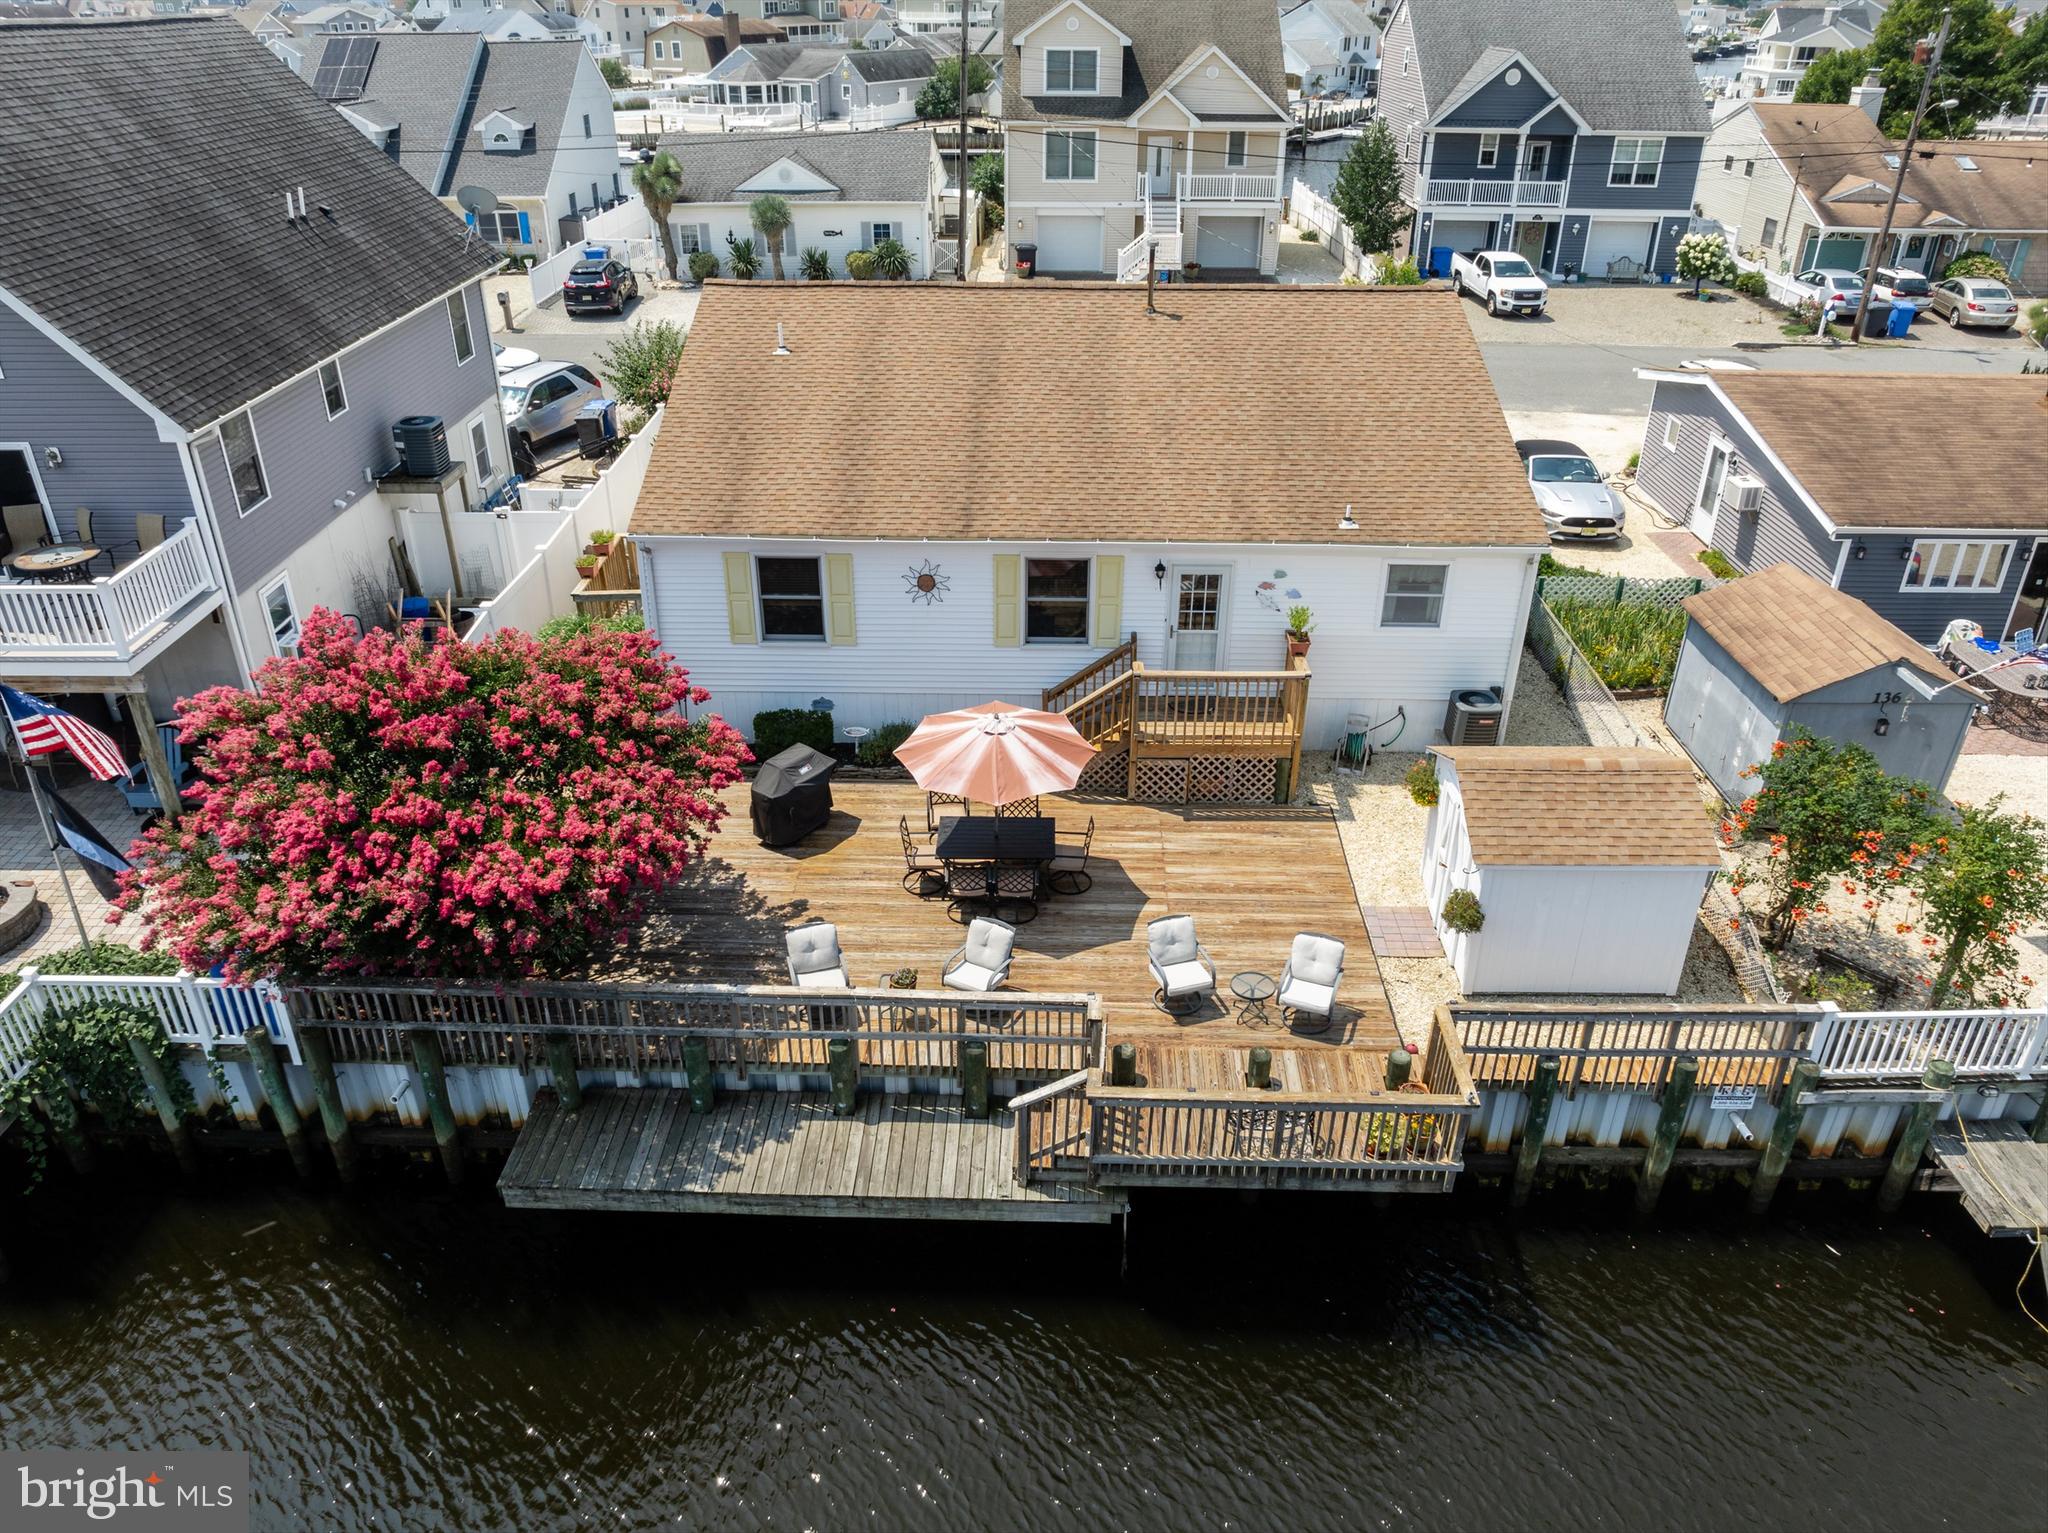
[[405, 1359]]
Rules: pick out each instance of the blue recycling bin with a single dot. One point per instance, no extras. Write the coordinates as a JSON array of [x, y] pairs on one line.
[[1900, 323], [1439, 260]]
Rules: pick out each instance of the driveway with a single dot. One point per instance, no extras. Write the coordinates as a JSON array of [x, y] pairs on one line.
[[1585, 314], [562, 337]]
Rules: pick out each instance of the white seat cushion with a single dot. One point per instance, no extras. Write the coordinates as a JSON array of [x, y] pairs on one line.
[[1307, 995], [1319, 960], [1171, 940], [988, 943], [968, 975], [1186, 978], [822, 979]]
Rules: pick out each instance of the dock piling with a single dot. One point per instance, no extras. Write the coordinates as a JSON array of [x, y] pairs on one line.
[[69, 1132], [1259, 1075], [319, 1059], [2040, 1129], [1529, 1153], [1784, 1135], [1685, 1073], [1123, 1065], [1399, 1063], [277, 1092], [1914, 1133], [845, 1075], [697, 1073], [562, 1071], [974, 1078], [433, 1074], [157, 1081]]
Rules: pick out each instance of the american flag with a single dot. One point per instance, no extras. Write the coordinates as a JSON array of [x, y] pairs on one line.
[[42, 728]]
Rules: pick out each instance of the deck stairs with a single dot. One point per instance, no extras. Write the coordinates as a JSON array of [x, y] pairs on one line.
[[1162, 230]]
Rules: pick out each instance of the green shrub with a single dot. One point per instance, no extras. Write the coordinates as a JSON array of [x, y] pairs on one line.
[[1421, 780], [2037, 323], [1977, 263], [1635, 461], [1751, 283], [1401, 274], [879, 748], [634, 104], [742, 259], [703, 265], [860, 265], [779, 728], [100, 958], [576, 623], [1718, 564], [1462, 913], [1851, 992], [891, 260], [1550, 565], [1631, 647]]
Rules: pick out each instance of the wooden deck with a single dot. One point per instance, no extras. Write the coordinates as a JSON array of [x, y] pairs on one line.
[[772, 1152], [1251, 877], [2001, 1173]]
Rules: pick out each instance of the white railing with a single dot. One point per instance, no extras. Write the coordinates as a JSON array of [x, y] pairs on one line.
[[1777, 285], [732, 114], [887, 115], [1498, 194], [115, 616], [2018, 122], [205, 1013], [1230, 186], [1130, 261], [1886, 1045], [544, 278]]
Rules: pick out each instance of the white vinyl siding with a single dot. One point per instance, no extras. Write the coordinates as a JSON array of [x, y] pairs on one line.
[[1943, 564]]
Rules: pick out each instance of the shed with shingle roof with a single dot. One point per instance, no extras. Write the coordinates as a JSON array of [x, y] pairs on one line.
[[1588, 866], [1780, 648]]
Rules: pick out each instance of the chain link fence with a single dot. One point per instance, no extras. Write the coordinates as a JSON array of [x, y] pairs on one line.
[[1586, 696]]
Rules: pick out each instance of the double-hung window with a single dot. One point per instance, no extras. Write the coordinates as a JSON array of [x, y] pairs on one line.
[[1055, 601], [1944, 564], [1070, 156], [1636, 162], [331, 391], [1070, 71], [245, 462], [1415, 596], [792, 598], [480, 453], [500, 226], [1489, 150], [1234, 154], [458, 324], [282, 616]]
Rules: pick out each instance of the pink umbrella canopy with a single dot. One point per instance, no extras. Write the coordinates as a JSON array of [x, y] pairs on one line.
[[995, 753]]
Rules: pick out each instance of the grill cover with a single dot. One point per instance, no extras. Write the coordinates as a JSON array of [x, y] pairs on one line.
[[792, 795]]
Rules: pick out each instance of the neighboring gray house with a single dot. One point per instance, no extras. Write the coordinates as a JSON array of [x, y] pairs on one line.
[[848, 191], [518, 140], [1530, 125], [827, 82], [1780, 648], [304, 294], [1925, 496]]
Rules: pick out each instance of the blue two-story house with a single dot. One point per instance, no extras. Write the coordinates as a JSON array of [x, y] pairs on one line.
[[1569, 133], [207, 332]]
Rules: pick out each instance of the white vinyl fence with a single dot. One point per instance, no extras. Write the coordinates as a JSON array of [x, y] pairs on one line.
[[1309, 209], [1897, 1045], [203, 1012]]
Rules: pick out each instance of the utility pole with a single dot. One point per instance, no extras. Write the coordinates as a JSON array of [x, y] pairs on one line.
[[960, 158], [1891, 208]]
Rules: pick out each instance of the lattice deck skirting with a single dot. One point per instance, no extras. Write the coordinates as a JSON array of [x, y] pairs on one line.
[[1109, 772], [1206, 780]]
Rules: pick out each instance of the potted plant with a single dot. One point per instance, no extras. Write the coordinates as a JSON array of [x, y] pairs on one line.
[[1422, 783], [1190, 270], [587, 565], [600, 544], [1462, 912], [1301, 622], [903, 979]]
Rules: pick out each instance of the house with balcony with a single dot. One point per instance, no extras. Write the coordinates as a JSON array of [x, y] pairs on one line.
[[923, 16], [227, 450], [1795, 36], [802, 21], [1134, 129], [689, 44], [1515, 134], [1332, 47], [797, 84]]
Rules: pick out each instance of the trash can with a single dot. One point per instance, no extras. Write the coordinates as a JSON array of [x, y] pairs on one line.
[[792, 795], [1027, 259], [597, 427], [1900, 323]]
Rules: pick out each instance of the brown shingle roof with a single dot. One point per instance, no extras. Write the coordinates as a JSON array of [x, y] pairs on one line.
[[1531, 805], [1907, 450], [1837, 151], [752, 29], [1064, 411], [1796, 635]]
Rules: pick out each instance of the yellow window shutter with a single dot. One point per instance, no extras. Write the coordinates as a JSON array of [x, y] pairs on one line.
[[839, 598], [1107, 628], [739, 599], [1009, 600]]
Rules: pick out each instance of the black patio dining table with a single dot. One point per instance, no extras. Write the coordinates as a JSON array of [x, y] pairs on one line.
[[991, 838]]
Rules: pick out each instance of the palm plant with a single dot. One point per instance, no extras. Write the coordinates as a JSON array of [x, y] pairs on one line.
[[815, 264], [659, 182], [741, 258], [892, 260], [771, 215]]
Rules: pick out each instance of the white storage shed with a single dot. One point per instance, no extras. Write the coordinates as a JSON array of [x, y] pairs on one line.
[[1588, 865]]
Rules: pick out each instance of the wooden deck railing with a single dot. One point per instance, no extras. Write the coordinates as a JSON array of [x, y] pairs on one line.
[[1092, 677], [749, 1028], [1218, 707], [1633, 1049]]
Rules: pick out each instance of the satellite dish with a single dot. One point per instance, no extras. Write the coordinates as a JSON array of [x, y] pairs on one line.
[[476, 199]]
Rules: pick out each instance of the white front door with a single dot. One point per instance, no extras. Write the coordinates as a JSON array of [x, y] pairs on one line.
[[1159, 166], [1201, 609], [1707, 503]]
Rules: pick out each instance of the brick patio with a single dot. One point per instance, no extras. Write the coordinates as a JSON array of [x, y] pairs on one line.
[[25, 856]]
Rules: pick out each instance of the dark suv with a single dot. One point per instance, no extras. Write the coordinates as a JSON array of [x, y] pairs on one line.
[[599, 285]]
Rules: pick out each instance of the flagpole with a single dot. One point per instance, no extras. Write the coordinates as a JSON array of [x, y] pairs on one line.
[[49, 824]]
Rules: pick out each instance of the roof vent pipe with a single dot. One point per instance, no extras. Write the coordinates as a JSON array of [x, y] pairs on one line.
[[781, 345]]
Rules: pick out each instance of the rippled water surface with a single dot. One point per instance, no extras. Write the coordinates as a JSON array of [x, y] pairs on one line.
[[404, 1360]]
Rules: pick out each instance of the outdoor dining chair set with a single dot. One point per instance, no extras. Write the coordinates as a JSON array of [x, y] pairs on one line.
[[1003, 862], [1185, 975], [979, 965]]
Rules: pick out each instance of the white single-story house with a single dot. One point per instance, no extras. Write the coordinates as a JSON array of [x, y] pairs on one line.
[[1588, 866], [909, 498]]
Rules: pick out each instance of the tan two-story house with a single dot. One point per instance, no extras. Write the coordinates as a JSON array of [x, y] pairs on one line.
[[1144, 127]]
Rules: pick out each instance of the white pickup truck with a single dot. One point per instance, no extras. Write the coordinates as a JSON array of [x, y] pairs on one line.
[[1505, 281]]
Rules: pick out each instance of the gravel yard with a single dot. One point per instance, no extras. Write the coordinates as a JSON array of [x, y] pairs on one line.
[[1591, 314]]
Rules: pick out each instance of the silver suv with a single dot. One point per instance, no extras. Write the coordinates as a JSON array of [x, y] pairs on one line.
[[541, 399]]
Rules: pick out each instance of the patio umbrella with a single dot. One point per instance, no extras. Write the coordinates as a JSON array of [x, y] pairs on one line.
[[996, 753]]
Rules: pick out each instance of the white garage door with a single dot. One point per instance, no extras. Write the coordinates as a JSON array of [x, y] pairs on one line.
[[1608, 241], [1229, 242], [1459, 235], [1068, 243]]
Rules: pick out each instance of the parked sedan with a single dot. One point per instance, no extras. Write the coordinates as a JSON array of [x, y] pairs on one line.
[[1832, 284], [1899, 286], [1976, 301], [1573, 498], [541, 400], [603, 284]]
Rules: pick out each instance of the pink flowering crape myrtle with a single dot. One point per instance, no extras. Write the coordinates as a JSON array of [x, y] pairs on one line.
[[390, 806]]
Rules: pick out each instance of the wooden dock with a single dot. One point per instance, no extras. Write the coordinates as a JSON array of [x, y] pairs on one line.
[[2001, 1173], [771, 1152]]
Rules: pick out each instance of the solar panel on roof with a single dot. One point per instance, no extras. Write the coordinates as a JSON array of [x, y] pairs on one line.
[[345, 68]]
